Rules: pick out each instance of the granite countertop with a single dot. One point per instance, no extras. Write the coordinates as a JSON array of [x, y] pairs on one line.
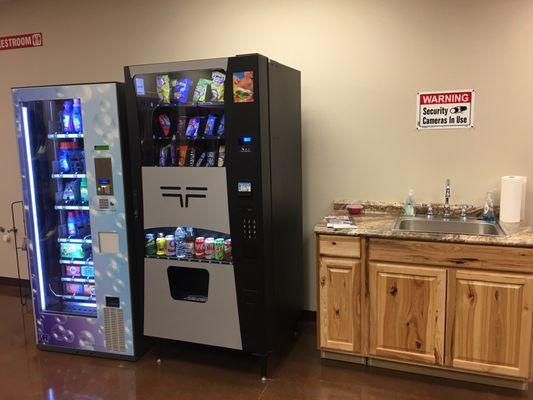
[[377, 221]]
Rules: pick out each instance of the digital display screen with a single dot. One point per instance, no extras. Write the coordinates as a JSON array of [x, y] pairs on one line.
[[101, 147], [139, 86], [104, 181], [244, 187], [245, 140]]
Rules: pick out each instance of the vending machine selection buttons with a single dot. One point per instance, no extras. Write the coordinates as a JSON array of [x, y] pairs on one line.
[[249, 229]]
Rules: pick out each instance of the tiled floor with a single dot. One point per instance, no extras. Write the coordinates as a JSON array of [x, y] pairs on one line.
[[189, 372]]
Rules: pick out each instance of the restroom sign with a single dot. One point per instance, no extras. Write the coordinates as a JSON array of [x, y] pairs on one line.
[[449, 109], [21, 41]]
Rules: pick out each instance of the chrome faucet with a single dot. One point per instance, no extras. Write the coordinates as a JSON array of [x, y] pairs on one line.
[[429, 210], [447, 212]]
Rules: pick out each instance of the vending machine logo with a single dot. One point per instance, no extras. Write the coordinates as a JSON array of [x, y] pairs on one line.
[[191, 192]]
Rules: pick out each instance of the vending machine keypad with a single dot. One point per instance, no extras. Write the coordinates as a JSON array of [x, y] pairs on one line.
[[249, 229]]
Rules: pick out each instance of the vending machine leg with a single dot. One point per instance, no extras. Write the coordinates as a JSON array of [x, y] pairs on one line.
[[158, 351], [263, 363]]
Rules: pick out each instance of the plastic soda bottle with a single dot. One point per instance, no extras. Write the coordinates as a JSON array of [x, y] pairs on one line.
[[179, 238]]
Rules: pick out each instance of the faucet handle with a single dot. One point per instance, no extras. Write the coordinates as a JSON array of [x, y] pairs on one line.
[[429, 209], [464, 210]]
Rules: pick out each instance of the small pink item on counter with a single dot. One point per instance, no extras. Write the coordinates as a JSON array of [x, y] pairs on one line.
[[354, 209]]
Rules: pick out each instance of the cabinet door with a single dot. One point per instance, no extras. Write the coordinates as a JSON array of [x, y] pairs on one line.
[[407, 312], [489, 322], [340, 311]]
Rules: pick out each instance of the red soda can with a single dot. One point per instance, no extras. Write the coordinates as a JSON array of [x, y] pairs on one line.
[[227, 250], [209, 248], [199, 247]]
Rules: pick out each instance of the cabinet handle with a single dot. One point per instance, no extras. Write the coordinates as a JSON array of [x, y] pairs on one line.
[[333, 243]]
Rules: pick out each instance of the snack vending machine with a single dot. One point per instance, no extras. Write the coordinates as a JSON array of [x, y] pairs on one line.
[[220, 195], [72, 165]]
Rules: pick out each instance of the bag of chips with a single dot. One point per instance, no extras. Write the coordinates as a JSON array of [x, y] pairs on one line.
[[164, 121], [201, 89], [221, 127], [192, 127], [217, 86], [210, 125], [163, 88], [180, 89]]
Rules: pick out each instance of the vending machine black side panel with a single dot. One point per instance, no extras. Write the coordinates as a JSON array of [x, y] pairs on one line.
[[286, 190], [248, 159], [131, 156]]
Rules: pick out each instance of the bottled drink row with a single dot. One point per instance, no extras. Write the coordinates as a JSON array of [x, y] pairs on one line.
[[179, 90], [73, 192], [78, 223], [71, 158], [184, 244], [71, 116]]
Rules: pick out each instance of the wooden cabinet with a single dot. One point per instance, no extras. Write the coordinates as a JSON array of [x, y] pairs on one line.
[[463, 308], [407, 312], [489, 322], [339, 307]]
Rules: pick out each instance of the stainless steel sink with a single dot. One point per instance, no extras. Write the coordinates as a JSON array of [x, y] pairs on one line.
[[448, 225]]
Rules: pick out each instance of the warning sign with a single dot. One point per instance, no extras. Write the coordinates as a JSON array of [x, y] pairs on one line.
[[445, 110]]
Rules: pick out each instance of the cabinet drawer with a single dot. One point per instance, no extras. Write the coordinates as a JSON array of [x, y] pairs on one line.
[[452, 255], [340, 246]]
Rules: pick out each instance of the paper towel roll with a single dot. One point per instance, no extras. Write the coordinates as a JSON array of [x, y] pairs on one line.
[[513, 198]]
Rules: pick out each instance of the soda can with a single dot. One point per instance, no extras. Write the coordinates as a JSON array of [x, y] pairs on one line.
[[170, 245], [160, 244], [149, 244], [199, 247], [219, 249], [227, 250], [209, 248]]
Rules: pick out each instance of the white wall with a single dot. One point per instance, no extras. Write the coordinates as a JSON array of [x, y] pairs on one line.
[[362, 62]]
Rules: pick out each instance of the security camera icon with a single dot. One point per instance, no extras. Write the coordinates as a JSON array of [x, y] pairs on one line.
[[458, 110]]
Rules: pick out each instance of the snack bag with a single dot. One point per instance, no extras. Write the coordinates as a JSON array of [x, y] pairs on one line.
[[73, 289], [182, 156], [88, 290], [164, 121], [200, 160], [217, 86], [182, 125], [163, 88], [221, 127], [201, 89], [180, 89], [73, 271], [192, 127], [221, 155], [210, 125]]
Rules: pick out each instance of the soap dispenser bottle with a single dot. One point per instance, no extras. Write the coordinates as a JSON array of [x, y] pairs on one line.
[[409, 207], [488, 210]]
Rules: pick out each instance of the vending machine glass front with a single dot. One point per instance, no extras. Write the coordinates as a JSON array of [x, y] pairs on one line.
[[54, 158]]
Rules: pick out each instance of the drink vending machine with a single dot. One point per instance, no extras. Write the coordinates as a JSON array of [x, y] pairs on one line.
[[220, 199], [71, 141]]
